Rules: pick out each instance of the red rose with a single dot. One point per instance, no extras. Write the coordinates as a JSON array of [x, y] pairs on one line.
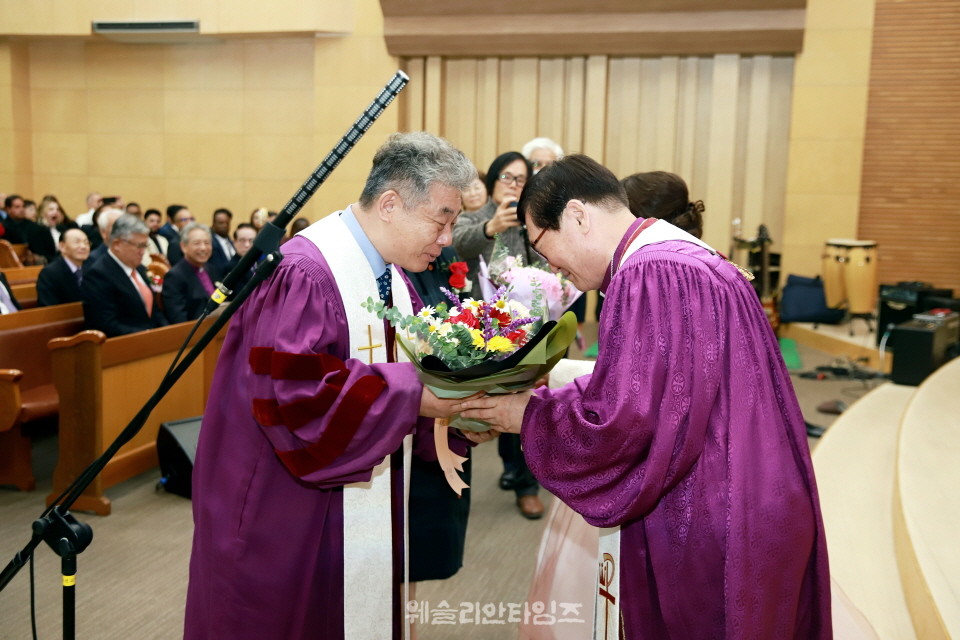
[[466, 318], [458, 273], [517, 337]]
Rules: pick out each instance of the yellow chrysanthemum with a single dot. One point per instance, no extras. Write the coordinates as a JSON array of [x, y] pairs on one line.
[[478, 340], [499, 343], [500, 304]]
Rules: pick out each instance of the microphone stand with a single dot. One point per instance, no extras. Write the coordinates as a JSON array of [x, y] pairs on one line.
[[56, 526]]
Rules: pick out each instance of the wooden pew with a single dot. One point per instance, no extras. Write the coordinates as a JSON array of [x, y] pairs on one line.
[[22, 275], [103, 383], [26, 381]]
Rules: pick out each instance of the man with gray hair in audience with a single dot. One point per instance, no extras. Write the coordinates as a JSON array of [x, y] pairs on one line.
[[188, 285], [105, 219], [117, 298]]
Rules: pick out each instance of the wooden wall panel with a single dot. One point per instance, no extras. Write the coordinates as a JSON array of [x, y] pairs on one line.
[[911, 158], [720, 122]]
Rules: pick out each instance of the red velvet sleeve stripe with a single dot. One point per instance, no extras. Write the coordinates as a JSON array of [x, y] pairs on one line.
[[260, 360], [281, 365], [340, 431], [299, 412], [302, 366], [266, 412]]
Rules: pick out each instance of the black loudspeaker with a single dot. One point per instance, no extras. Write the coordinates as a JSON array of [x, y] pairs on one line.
[[898, 302], [177, 449], [922, 346]]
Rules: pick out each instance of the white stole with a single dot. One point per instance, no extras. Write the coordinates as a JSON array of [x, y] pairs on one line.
[[367, 523], [606, 612]]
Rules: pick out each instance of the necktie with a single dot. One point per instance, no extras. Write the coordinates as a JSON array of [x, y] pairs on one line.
[[205, 281], [383, 284], [144, 290], [78, 274]]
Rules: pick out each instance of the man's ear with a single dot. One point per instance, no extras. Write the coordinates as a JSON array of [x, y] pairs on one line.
[[577, 210], [388, 205]]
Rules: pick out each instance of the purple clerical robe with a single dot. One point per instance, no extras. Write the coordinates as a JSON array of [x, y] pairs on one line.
[[290, 420], [689, 437]]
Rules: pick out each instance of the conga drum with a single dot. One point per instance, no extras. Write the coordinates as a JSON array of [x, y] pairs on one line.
[[860, 277], [833, 264]]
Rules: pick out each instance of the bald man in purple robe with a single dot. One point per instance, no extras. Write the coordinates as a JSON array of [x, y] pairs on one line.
[[308, 413], [686, 443]]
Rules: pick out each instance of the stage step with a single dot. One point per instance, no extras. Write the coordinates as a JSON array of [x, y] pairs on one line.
[[854, 463], [927, 509]]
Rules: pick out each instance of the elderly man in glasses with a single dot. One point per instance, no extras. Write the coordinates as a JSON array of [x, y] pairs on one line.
[[117, 298]]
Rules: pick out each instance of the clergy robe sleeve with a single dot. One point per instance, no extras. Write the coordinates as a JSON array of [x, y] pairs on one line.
[[330, 419], [611, 444]]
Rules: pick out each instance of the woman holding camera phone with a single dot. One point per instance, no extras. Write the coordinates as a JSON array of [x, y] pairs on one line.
[[473, 236]]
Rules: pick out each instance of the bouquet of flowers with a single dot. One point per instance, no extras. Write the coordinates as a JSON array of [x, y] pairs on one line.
[[459, 348], [534, 284]]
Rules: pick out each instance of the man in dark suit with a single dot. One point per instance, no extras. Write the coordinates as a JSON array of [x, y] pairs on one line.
[[180, 216], [117, 298], [223, 249], [59, 281], [188, 285], [15, 224]]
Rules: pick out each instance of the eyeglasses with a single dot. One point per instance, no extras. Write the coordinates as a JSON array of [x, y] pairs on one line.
[[139, 245], [533, 245], [507, 178]]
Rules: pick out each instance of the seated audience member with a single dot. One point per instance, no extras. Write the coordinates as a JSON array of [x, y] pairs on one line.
[[15, 226], [664, 195], [475, 196], [134, 209], [30, 210], [158, 244], [296, 227], [259, 218], [223, 249], [116, 293], [94, 202], [8, 302], [59, 282], [188, 285], [243, 237], [105, 218], [181, 217], [541, 152], [44, 237]]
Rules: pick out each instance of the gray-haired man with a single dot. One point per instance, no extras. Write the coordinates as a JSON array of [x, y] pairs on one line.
[[116, 292]]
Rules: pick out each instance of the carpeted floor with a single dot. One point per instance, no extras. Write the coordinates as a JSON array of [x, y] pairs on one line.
[[131, 581]]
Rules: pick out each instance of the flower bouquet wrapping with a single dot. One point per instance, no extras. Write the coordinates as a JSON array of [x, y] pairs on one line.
[[460, 348], [526, 282]]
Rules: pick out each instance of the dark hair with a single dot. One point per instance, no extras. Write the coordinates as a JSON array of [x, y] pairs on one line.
[[173, 209], [226, 212], [664, 195], [243, 225], [575, 177], [9, 200], [151, 212], [502, 160]]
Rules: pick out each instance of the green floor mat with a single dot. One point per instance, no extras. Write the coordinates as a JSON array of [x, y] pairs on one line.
[[592, 351], [788, 348]]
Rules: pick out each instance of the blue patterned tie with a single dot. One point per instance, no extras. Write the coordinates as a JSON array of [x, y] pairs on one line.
[[383, 284]]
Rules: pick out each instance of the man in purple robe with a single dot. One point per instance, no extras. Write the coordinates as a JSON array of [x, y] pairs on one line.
[[686, 443], [307, 409]]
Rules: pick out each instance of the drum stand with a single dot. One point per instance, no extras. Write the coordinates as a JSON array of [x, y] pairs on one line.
[[866, 317]]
